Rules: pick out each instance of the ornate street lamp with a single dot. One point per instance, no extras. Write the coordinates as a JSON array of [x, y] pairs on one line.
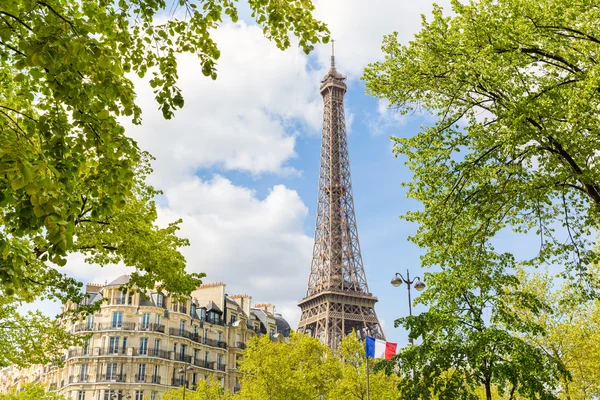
[[183, 373], [398, 280]]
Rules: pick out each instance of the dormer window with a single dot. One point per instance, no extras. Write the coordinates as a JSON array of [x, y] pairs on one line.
[[160, 300]]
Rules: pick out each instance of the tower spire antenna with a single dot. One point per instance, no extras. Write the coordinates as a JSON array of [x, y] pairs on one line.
[[332, 54]]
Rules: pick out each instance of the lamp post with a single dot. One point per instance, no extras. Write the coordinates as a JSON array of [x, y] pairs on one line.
[[398, 280], [183, 372]]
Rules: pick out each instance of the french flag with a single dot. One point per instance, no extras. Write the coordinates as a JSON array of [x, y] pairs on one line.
[[380, 349]]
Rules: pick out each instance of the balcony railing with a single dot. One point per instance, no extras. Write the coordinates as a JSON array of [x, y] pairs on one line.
[[84, 327], [142, 378], [240, 345], [204, 364], [221, 367], [155, 379], [112, 378], [125, 326], [79, 353], [182, 357], [180, 332], [221, 344], [151, 327], [79, 378], [179, 382], [152, 353]]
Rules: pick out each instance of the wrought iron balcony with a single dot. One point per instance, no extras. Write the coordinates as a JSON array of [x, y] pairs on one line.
[[182, 357], [204, 364], [180, 332], [221, 367], [83, 327], [142, 378], [240, 345], [112, 378], [79, 353], [179, 382], [222, 344], [155, 379], [151, 328], [124, 326], [79, 378]]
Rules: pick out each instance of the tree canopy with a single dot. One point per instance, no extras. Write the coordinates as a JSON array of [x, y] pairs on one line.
[[31, 391], [304, 368], [513, 85], [71, 180]]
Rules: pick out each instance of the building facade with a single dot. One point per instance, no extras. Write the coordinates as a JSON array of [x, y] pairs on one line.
[[140, 345]]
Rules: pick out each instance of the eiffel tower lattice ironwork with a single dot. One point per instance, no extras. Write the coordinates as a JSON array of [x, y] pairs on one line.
[[338, 299]]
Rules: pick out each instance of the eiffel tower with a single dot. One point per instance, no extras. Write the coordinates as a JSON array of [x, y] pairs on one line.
[[338, 299]]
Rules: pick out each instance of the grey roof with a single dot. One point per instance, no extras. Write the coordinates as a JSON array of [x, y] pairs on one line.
[[120, 281], [283, 326], [211, 306]]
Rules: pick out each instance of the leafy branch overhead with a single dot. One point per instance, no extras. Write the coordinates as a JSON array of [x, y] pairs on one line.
[[514, 86]]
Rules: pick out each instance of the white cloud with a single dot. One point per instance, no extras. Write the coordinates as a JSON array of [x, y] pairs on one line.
[[256, 246], [246, 120], [358, 26]]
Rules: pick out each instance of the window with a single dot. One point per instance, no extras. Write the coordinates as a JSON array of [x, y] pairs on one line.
[[182, 326], [130, 299], [144, 346], [233, 319], [86, 347], [158, 319], [272, 332], [153, 395], [155, 378], [194, 378], [160, 300], [108, 394], [124, 345], [192, 310], [145, 320], [206, 357], [219, 336], [141, 373], [89, 322], [117, 319], [156, 346], [83, 372], [219, 360], [183, 348], [81, 395], [175, 348], [120, 298], [139, 394], [195, 331], [195, 356], [113, 346], [111, 371]]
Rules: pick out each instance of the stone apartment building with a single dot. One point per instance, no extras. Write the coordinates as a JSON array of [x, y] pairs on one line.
[[142, 345]]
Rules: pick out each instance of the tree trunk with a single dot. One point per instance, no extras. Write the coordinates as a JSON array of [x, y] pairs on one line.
[[488, 390]]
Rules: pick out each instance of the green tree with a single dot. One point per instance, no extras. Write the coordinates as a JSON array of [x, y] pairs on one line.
[[31, 338], [353, 382], [472, 340], [572, 334], [70, 178], [514, 87], [209, 389], [31, 391], [302, 369]]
